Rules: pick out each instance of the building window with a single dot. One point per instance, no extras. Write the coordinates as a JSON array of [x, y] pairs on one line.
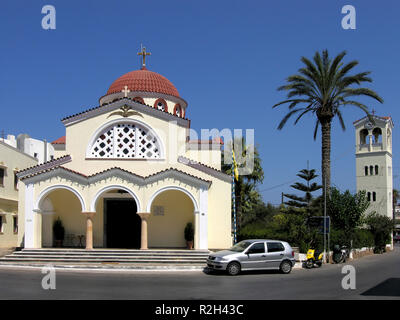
[[373, 196], [160, 104], [126, 140], [51, 158], [138, 99], [178, 110], [371, 170], [377, 134], [35, 155], [376, 170], [363, 136], [15, 224], [2, 171], [1, 223], [15, 181], [369, 196], [366, 170]]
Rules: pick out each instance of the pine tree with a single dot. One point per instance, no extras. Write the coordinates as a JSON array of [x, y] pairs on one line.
[[307, 203]]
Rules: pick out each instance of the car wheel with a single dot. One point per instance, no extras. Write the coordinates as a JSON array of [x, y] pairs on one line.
[[285, 267], [233, 268]]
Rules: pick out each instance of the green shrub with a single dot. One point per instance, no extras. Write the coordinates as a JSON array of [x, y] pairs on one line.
[[363, 238]]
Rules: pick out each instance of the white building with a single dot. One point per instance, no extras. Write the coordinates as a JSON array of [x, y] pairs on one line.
[[41, 150], [374, 162]]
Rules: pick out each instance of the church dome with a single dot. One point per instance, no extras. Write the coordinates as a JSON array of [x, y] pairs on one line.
[[143, 80]]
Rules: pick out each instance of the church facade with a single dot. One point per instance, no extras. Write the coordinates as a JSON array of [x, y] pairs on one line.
[[127, 175]]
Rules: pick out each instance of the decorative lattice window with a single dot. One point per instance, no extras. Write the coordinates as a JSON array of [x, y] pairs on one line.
[[125, 140]]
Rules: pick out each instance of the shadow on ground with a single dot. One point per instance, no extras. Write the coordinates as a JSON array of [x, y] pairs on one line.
[[252, 272], [387, 288]]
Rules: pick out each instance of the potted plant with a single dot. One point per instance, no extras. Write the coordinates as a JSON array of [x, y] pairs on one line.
[[189, 235], [59, 232]]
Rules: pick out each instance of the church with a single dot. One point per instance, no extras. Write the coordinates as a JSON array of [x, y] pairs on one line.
[[127, 175]]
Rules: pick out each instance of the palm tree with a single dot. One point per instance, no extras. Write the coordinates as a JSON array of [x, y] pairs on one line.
[[321, 87], [247, 197]]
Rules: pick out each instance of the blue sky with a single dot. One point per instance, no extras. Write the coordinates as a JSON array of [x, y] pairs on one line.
[[226, 58]]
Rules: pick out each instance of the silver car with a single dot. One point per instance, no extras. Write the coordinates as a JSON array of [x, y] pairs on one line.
[[254, 255]]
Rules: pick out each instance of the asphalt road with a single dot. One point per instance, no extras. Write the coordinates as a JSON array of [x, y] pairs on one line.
[[377, 277]]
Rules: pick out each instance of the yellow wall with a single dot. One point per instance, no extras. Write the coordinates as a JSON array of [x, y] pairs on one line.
[[168, 230], [11, 160], [68, 208]]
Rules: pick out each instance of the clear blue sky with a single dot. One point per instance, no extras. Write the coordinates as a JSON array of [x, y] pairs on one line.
[[226, 58]]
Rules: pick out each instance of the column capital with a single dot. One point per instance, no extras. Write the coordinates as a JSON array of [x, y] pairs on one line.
[[89, 214], [144, 215]]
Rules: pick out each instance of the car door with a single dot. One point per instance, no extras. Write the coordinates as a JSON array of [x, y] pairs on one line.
[[255, 256], [275, 254]]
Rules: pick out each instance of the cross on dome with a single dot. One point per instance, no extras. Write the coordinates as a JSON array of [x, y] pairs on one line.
[[125, 91], [143, 53]]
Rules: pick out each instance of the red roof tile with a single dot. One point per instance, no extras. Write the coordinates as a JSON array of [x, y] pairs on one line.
[[143, 80], [59, 141]]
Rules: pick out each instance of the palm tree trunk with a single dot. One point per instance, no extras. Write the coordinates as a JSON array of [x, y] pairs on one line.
[[326, 156]]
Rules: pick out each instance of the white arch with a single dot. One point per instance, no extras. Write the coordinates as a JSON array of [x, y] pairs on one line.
[[124, 120], [196, 208], [48, 190], [113, 187]]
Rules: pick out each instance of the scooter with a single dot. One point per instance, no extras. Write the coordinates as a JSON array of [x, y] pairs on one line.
[[340, 254], [314, 258]]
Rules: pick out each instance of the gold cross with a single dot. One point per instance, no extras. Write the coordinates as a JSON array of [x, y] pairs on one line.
[[143, 53]]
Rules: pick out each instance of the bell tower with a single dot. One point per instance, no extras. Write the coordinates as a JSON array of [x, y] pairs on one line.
[[374, 162]]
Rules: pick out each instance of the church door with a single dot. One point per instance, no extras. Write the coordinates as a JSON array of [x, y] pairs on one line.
[[122, 226]]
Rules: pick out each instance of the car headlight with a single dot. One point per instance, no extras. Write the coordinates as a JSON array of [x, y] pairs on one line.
[[219, 259]]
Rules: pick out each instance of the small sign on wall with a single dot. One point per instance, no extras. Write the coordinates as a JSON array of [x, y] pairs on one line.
[[158, 210]]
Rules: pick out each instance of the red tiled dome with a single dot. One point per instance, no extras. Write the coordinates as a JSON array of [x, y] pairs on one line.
[[143, 80]]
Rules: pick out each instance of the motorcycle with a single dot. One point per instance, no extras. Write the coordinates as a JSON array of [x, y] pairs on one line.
[[340, 254], [314, 258]]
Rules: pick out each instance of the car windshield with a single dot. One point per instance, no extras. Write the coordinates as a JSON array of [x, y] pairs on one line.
[[239, 247]]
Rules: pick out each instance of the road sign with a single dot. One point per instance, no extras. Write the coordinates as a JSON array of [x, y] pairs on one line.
[[318, 222]]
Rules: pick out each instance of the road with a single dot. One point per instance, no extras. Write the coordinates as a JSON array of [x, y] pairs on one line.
[[377, 277]]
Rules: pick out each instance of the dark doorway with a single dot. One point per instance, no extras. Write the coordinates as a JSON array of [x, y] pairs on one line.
[[121, 224]]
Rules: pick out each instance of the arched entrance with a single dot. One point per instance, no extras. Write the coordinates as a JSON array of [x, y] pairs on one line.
[[171, 209], [116, 211], [65, 204]]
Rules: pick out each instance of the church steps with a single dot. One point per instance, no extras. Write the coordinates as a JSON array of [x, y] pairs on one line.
[[99, 256], [102, 260], [104, 257]]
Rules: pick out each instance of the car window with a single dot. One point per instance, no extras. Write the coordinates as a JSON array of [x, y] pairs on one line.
[[257, 248], [275, 247], [241, 246]]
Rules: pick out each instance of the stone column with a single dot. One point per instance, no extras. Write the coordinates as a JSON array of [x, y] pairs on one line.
[[143, 239], [89, 229], [197, 230]]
